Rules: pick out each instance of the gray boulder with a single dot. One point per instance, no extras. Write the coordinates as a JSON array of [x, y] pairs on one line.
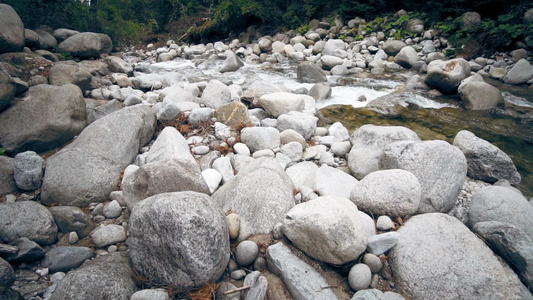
[[170, 144], [87, 44], [520, 73], [260, 138], [330, 181], [231, 64], [407, 57], [309, 72], [303, 123], [368, 143], [485, 161], [118, 65], [106, 235], [393, 47], [63, 259], [28, 172], [480, 96], [27, 219], [440, 168], [7, 89], [280, 103], [62, 34], [105, 277], [261, 194], [7, 275], [415, 26], [388, 192], [12, 33], [48, 41], [510, 243], [437, 257], [303, 281], [71, 218], [320, 91], [7, 182], [174, 175], [215, 94], [447, 75], [502, 204], [88, 169], [327, 229], [194, 252], [27, 251], [48, 117], [70, 72], [32, 39], [259, 88]]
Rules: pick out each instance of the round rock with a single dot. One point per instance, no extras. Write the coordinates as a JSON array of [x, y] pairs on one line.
[[234, 225], [373, 262], [359, 277], [112, 210], [246, 252]]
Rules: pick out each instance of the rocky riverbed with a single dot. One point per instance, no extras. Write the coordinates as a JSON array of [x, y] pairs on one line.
[[262, 168]]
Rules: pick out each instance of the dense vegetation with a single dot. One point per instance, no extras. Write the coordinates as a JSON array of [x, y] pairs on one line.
[[131, 21]]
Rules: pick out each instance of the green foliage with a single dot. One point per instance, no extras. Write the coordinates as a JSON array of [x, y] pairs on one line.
[[303, 29], [65, 56], [3, 151]]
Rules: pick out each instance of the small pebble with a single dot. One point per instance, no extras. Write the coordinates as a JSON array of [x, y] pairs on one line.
[[73, 237], [112, 210], [10, 198], [42, 272], [241, 148], [260, 263], [57, 276], [98, 209], [238, 274], [359, 277], [246, 253], [112, 248], [200, 150], [373, 262], [232, 265], [234, 225], [384, 223]]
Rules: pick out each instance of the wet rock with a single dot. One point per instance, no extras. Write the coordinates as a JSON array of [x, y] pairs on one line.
[[310, 73], [447, 75], [302, 280], [106, 277], [388, 192], [231, 64], [12, 35], [368, 143], [465, 269], [320, 91], [48, 117], [27, 219], [88, 169], [480, 96], [195, 253], [485, 161], [440, 168], [71, 218], [268, 185], [407, 57], [309, 226], [63, 259], [87, 44]]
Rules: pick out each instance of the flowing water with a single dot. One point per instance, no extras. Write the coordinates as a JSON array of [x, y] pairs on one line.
[[431, 118]]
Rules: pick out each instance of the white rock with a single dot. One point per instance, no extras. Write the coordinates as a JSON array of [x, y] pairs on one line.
[[384, 223], [359, 277], [234, 225], [213, 178]]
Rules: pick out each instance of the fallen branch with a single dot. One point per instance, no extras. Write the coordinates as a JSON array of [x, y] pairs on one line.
[[237, 290], [8, 248]]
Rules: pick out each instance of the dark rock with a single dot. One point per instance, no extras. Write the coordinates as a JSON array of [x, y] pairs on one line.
[[27, 219], [27, 251], [63, 259], [71, 218]]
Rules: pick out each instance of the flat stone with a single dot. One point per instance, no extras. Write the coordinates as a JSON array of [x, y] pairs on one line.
[[108, 235], [381, 243]]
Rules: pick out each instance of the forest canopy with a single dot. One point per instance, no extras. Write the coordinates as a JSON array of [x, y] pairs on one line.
[[134, 21]]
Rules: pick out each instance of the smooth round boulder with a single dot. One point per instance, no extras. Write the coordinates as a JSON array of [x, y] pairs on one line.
[[12, 33], [194, 252], [373, 262], [87, 44], [359, 277], [7, 275], [393, 47], [246, 252]]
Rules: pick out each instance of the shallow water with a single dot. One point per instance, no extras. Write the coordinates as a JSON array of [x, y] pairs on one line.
[[439, 118]]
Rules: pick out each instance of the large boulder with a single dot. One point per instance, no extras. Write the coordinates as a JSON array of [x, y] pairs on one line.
[[7, 89], [259, 88], [485, 161], [48, 117], [437, 257], [502, 204], [88, 169], [87, 44], [388, 192], [480, 96], [261, 194], [48, 41], [520, 73], [27, 219], [331, 181], [70, 72], [309, 72], [393, 47], [332, 45], [105, 277], [440, 168], [407, 57], [328, 229], [215, 94], [12, 33], [174, 175], [118, 65], [280, 103], [368, 142], [195, 250], [32, 39], [446, 76], [303, 123], [62, 34]]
